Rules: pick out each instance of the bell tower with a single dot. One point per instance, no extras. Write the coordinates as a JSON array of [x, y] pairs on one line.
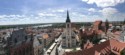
[[68, 30], [68, 37], [68, 26]]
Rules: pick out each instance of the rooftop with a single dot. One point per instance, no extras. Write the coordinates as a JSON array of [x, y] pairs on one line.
[[106, 47]]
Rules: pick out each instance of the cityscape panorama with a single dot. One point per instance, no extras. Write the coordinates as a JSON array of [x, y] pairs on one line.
[[62, 27]]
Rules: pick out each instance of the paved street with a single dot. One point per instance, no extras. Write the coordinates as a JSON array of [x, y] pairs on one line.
[[54, 50]]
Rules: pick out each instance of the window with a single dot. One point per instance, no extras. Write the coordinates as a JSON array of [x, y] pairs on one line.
[[63, 37], [68, 25], [73, 37]]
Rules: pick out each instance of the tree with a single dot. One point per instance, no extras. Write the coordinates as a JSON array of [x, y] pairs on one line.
[[95, 39], [122, 52], [74, 49]]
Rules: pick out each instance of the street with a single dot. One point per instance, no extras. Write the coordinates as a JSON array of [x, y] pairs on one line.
[[58, 40]]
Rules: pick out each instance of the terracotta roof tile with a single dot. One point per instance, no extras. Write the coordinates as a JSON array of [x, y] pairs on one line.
[[104, 48]]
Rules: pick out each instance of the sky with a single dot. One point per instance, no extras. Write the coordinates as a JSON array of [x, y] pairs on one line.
[[51, 11]]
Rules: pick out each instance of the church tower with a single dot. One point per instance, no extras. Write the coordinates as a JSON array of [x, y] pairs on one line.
[[68, 37], [68, 26], [68, 30]]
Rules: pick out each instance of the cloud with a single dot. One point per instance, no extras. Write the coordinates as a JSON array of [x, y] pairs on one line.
[[46, 14], [91, 10], [59, 15], [119, 17], [108, 12], [2, 16], [57, 10], [11, 17], [41, 16], [104, 3]]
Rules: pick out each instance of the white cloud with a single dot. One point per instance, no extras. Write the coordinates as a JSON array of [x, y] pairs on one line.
[[59, 10], [104, 3], [80, 17], [91, 10], [59, 15], [108, 12], [11, 16], [46, 14], [2, 16], [85, 0]]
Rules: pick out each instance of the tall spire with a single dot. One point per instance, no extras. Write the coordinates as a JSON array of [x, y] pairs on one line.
[[67, 20]]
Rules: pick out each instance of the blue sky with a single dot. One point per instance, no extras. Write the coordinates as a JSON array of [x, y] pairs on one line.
[[49, 11]]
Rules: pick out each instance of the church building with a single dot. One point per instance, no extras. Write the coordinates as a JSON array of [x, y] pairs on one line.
[[68, 37]]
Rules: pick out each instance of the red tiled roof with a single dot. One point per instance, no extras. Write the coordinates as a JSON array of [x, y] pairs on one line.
[[104, 48]]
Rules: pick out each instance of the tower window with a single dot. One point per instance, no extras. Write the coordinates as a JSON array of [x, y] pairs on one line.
[[68, 25]]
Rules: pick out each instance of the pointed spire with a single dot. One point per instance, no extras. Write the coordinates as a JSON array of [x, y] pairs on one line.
[[67, 20]]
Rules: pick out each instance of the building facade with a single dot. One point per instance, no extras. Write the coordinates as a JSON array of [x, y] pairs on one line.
[[38, 44], [3, 42], [20, 43]]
